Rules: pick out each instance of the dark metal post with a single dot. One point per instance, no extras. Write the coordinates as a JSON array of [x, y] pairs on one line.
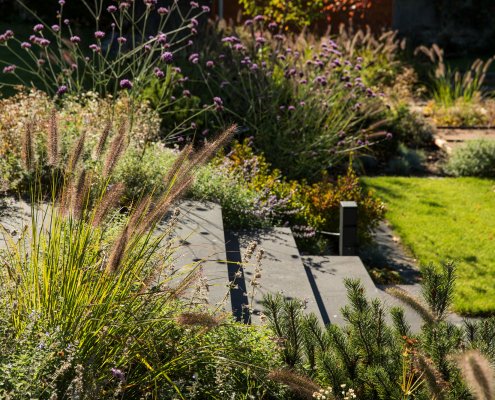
[[348, 238]]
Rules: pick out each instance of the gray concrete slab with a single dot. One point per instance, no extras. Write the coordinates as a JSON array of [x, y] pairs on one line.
[[201, 237], [328, 274], [16, 215], [282, 268]]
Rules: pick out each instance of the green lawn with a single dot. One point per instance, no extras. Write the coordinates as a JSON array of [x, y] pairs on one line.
[[443, 219]]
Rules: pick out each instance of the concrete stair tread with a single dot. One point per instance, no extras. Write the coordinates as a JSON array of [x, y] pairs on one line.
[[200, 234], [282, 268]]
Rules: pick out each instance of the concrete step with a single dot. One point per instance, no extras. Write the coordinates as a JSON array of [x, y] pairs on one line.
[[327, 274], [282, 268], [16, 216], [201, 242]]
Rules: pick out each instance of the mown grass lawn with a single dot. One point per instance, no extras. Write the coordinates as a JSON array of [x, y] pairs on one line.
[[442, 219]]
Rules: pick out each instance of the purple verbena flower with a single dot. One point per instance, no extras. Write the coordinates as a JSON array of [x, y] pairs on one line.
[[167, 56], [210, 64], [259, 18], [248, 22], [112, 9], [121, 40], [75, 39], [162, 10], [117, 373], [126, 84], [99, 34], [205, 9], [186, 93], [260, 40], [62, 90], [124, 5], [9, 69], [218, 102], [56, 28], [194, 4], [43, 42], [194, 58], [26, 45], [158, 73], [95, 48], [38, 27]]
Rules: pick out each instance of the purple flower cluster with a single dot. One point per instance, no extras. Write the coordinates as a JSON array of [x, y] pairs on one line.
[[9, 69], [194, 58], [8, 34], [126, 84]]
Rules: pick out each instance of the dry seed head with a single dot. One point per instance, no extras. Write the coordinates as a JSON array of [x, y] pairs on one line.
[[80, 194], [478, 374], [211, 148], [413, 302], [117, 147], [249, 252], [103, 139], [76, 153], [118, 251], [53, 139], [109, 201], [197, 319], [27, 151], [433, 377], [179, 167], [301, 385]]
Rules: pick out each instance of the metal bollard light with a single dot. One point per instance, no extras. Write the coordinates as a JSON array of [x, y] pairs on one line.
[[348, 237]]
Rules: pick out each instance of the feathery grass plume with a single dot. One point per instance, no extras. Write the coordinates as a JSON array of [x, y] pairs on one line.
[[299, 384], [191, 279], [76, 154], [163, 205], [102, 140], [109, 201], [178, 167], [198, 319], [141, 211], [211, 148], [53, 139], [118, 252], [116, 149], [80, 194], [478, 374], [412, 302], [27, 151], [432, 376]]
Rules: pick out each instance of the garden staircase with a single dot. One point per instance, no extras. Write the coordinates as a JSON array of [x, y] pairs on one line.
[[318, 281]]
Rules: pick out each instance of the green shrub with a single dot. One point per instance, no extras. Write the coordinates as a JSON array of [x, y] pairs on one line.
[[410, 127], [475, 158], [298, 96], [406, 162], [381, 359]]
